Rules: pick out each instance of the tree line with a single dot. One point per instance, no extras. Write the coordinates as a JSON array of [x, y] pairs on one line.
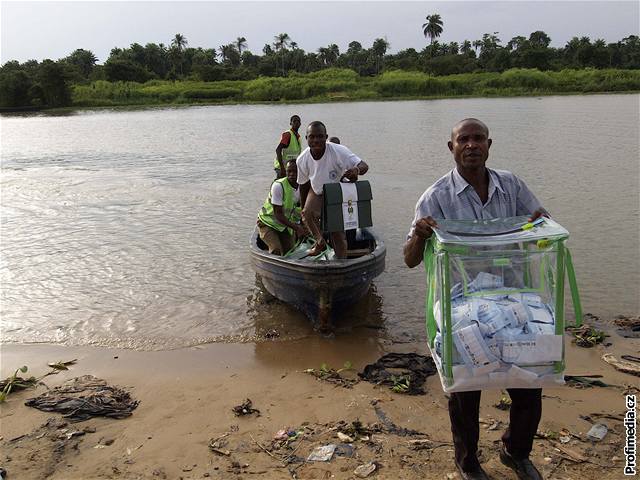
[[48, 83]]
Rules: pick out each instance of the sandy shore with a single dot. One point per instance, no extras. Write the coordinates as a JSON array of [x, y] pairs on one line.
[[186, 398]]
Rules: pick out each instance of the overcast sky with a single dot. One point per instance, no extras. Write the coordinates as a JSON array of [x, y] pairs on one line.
[[39, 30]]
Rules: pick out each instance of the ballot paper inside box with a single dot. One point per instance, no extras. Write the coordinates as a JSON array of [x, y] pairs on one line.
[[495, 302], [346, 206]]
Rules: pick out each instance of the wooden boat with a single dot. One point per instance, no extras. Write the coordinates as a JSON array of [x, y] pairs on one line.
[[321, 289]]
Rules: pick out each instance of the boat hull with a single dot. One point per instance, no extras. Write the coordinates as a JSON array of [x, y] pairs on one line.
[[321, 290]]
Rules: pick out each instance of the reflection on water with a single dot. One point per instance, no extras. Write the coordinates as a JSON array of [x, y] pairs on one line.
[[273, 319], [131, 228]]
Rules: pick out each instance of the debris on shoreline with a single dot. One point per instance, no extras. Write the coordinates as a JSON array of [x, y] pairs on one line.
[[504, 403], [245, 408], [52, 441], [331, 375], [587, 336], [402, 372], [624, 366], [585, 381], [629, 326], [15, 383], [84, 397]]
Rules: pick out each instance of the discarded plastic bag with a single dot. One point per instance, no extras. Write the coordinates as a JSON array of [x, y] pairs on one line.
[[597, 432], [322, 454]]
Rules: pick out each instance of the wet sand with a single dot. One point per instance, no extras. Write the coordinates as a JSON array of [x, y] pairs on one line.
[[186, 398]]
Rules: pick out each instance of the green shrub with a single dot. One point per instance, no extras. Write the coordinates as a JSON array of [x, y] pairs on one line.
[[212, 93], [341, 74], [168, 96], [264, 89], [526, 77], [345, 84]]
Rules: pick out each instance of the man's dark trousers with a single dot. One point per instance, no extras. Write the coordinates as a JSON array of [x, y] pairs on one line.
[[524, 416]]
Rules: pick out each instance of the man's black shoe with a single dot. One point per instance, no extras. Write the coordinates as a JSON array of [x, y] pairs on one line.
[[523, 468], [473, 475]]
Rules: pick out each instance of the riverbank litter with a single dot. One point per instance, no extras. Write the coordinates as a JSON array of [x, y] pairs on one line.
[[323, 453], [363, 471], [624, 366], [585, 381], [597, 432], [336, 376], [407, 437], [629, 327], [245, 408], [504, 403], [84, 397], [402, 372], [15, 383], [50, 443], [586, 336]]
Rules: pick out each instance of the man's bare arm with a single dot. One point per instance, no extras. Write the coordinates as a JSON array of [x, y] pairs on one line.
[[304, 191], [279, 149], [360, 169], [278, 212], [414, 248]]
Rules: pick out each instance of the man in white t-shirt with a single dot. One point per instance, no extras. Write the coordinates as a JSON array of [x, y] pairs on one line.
[[321, 163], [277, 223]]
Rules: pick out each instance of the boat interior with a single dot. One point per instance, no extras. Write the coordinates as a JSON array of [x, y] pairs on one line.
[[360, 242]]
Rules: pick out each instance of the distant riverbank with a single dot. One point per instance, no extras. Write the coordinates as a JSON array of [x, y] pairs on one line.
[[346, 85]]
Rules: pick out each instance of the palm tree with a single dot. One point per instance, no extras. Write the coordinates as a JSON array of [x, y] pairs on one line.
[[323, 53], [223, 52], [179, 41], [228, 53], [466, 47], [282, 41], [177, 44], [490, 42], [241, 43], [433, 27], [379, 48]]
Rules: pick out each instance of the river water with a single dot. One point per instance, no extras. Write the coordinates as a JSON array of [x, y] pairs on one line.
[[130, 228]]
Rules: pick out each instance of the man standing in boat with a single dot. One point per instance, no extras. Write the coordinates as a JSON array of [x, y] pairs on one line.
[[471, 191], [276, 221], [289, 147], [321, 163]]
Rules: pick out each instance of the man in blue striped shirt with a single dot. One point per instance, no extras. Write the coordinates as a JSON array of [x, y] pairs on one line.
[[471, 191]]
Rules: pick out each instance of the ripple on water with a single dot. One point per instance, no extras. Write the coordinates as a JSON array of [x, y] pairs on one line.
[[130, 229]]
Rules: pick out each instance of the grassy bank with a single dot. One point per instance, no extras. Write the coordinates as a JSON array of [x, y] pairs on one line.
[[340, 84]]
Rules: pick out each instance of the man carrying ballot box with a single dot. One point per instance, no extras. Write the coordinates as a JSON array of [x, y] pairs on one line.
[[471, 191]]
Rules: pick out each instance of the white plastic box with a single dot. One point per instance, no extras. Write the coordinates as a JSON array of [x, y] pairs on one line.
[[495, 302]]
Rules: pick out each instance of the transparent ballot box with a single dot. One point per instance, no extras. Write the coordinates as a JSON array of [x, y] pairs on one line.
[[495, 302]]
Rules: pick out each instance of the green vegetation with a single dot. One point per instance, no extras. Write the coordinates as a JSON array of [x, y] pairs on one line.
[[15, 383], [344, 84], [586, 336], [156, 74]]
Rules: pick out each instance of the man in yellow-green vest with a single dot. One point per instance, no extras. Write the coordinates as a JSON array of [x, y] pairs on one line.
[[288, 148], [277, 219]]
